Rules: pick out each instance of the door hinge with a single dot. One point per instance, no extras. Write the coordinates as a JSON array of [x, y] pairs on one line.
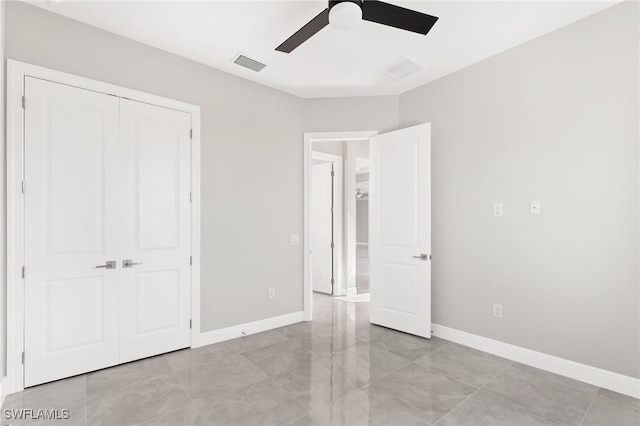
[[23, 187], [23, 358], [24, 103], [190, 324], [190, 133], [191, 197], [190, 260], [332, 246], [332, 281], [333, 173], [23, 272]]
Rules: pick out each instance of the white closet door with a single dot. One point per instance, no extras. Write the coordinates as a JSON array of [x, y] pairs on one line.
[[155, 232], [71, 214]]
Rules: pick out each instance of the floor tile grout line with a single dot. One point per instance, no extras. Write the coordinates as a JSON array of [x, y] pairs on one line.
[[497, 395], [126, 385], [299, 418], [130, 363], [457, 405], [188, 396], [411, 405], [595, 395], [309, 410], [404, 402], [478, 389]]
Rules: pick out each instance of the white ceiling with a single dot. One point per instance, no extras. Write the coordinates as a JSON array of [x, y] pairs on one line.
[[332, 63]]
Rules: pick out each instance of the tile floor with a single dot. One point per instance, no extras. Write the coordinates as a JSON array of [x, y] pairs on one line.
[[336, 370]]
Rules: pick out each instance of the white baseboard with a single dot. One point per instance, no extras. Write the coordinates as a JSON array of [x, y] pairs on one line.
[[229, 333], [352, 291], [585, 373], [4, 388]]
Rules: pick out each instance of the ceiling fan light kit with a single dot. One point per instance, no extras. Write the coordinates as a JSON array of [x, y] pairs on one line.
[[344, 14]]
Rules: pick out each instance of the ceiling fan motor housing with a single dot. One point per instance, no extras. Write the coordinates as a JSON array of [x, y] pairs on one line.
[[345, 14], [335, 2]]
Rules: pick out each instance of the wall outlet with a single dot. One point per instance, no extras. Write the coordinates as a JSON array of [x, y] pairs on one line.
[[534, 207], [497, 209], [272, 292], [295, 240], [497, 310]]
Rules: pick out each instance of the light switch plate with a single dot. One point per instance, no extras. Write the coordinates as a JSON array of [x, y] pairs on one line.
[[295, 240], [497, 209]]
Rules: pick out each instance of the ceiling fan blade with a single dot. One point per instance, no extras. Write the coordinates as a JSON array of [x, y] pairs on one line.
[[396, 16], [305, 33]]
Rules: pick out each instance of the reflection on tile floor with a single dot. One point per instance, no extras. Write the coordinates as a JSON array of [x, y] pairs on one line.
[[336, 370]]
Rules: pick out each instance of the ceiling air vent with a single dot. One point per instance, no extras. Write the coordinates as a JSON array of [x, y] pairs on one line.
[[247, 62], [402, 68]]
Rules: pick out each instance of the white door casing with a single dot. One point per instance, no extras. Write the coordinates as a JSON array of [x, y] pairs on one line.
[[155, 231], [19, 270], [71, 207], [400, 230], [322, 227]]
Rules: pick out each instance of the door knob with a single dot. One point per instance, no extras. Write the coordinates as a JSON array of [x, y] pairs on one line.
[[109, 264], [129, 263], [423, 257]]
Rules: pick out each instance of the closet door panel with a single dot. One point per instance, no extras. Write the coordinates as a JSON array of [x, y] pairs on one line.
[[155, 232], [71, 230]]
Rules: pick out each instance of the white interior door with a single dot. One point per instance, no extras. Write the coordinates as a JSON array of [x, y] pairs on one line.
[[400, 230], [71, 213], [321, 228], [155, 231]]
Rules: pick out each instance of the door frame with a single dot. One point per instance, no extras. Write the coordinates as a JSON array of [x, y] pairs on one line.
[[16, 73], [338, 230], [309, 139]]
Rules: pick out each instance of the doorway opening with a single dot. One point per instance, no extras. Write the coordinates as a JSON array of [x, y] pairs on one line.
[[397, 246], [340, 150]]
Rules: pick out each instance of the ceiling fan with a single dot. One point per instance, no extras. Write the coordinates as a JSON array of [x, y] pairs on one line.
[[343, 14]]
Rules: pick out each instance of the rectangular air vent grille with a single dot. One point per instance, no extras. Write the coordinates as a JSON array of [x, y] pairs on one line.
[[247, 62], [402, 68]]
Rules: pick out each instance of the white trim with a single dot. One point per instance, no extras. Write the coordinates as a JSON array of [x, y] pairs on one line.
[[339, 287], [16, 72], [216, 336], [352, 291], [585, 373], [308, 139], [3, 390]]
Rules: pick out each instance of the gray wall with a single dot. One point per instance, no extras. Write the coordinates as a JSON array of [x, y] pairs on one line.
[[351, 114], [554, 120], [251, 158]]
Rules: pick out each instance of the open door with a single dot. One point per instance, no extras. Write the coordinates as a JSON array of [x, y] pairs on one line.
[[400, 230]]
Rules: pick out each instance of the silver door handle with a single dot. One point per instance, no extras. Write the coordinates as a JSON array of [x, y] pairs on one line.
[[129, 263], [109, 264], [423, 257]]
